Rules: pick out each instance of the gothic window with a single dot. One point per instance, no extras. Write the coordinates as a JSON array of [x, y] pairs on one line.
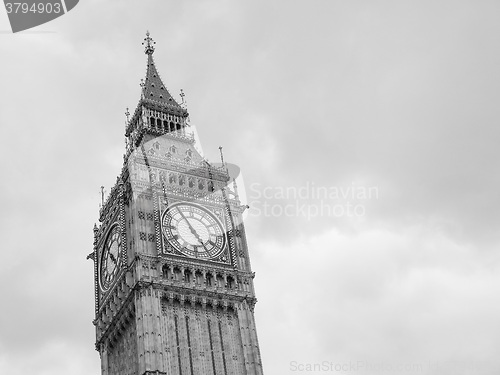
[[189, 153], [158, 124], [166, 272], [191, 182], [152, 121], [210, 186], [156, 145], [209, 279], [173, 149], [172, 127], [187, 276], [198, 278], [182, 180], [201, 184], [178, 126], [230, 282], [177, 274], [165, 126], [220, 281]]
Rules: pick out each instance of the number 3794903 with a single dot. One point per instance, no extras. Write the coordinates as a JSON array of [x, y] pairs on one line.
[[33, 8]]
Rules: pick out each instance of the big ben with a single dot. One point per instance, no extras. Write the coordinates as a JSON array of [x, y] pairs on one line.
[[174, 288]]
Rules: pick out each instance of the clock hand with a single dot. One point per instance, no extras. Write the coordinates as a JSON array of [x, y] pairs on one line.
[[112, 257], [193, 231]]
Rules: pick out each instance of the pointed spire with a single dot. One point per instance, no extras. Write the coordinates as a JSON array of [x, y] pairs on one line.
[[154, 94], [153, 88]]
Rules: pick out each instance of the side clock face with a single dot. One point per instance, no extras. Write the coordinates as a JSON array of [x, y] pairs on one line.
[[193, 230], [110, 258]]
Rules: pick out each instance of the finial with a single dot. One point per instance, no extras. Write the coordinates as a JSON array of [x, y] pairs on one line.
[[221, 156], [102, 196], [149, 44], [184, 102], [127, 113]]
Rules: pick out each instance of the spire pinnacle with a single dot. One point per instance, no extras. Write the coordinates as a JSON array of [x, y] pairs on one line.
[[149, 44]]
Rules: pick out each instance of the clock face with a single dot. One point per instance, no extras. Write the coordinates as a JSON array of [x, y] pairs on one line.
[[193, 230], [110, 258]]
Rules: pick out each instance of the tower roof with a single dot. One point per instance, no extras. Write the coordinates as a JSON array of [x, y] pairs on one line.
[[154, 93], [153, 88]]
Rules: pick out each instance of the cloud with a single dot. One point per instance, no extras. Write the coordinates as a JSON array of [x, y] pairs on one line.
[[406, 297]]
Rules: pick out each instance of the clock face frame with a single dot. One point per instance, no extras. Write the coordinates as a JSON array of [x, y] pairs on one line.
[[193, 230], [110, 258]]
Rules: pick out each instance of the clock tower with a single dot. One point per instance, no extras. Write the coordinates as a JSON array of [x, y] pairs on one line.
[[174, 289]]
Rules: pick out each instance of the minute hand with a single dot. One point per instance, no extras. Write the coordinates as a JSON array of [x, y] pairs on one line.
[[193, 231]]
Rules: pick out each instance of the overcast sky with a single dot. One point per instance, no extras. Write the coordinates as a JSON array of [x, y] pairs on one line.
[[367, 133]]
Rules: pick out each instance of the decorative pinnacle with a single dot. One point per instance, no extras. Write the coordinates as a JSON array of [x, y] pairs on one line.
[[183, 100], [149, 44], [221, 155], [127, 113]]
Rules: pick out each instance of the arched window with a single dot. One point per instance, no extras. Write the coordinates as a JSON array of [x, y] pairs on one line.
[[220, 281], [166, 272], [198, 278], [188, 276], [209, 279], [177, 274], [230, 282]]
